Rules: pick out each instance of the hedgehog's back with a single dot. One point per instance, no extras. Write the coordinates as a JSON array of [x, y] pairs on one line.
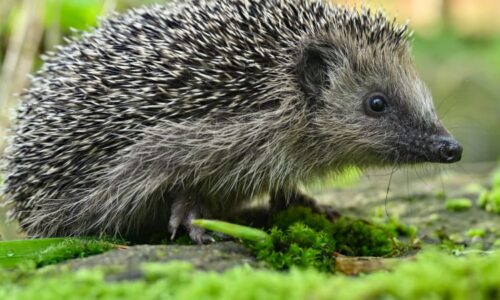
[[94, 97]]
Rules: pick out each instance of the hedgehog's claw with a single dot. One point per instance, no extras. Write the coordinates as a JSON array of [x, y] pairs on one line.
[[182, 214], [177, 214], [196, 234]]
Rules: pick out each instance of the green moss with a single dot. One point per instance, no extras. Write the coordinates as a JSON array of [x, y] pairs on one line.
[[299, 246], [72, 248], [352, 236], [458, 204], [490, 200], [450, 243], [471, 277], [304, 215], [494, 201], [397, 228], [306, 239], [482, 200], [318, 222], [41, 252], [361, 238], [476, 233]]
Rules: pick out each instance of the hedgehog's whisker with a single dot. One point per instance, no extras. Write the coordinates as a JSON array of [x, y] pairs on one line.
[[394, 168]]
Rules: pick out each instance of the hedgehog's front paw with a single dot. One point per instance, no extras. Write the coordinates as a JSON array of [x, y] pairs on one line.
[[182, 214]]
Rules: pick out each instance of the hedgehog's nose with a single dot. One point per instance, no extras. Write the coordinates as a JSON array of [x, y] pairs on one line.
[[448, 150]]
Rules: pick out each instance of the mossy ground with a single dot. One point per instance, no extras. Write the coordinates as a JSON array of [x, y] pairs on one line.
[[434, 275], [489, 199], [304, 239], [462, 264]]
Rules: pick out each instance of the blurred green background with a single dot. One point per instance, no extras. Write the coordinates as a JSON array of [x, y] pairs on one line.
[[456, 48]]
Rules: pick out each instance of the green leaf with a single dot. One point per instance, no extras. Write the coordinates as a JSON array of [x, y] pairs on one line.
[[14, 252], [234, 230]]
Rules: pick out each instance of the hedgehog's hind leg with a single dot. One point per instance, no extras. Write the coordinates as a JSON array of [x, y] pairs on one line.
[[183, 211], [282, 199]]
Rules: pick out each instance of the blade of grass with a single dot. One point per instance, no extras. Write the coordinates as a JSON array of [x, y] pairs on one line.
[[14, 252], [234, 230]]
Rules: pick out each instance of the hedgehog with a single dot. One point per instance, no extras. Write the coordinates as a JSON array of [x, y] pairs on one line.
[[165, 114]]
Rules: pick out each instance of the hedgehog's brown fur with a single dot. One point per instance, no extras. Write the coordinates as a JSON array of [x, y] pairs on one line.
[[164, 114]]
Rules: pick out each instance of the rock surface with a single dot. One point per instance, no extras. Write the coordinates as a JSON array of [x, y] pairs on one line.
[[419, 198], [215, 257]]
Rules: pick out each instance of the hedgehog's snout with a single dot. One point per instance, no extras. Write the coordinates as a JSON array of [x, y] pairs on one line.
[[445, 149], [435, 148]]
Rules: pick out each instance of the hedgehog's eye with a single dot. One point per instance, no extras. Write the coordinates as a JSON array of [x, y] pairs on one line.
[[375, 105]]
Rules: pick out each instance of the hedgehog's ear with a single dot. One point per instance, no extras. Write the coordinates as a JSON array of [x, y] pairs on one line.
[[312, 68]]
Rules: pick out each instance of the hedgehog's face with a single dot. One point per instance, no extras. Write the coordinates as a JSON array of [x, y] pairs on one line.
[[372, 108]]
